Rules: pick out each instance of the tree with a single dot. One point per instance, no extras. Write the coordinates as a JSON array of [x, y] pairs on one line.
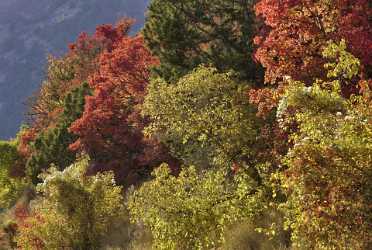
[[296, 31], [11, 187], [110, 129], [71, 70], [184, 34], [327, 174], [340, 64], [52, 145], [62, 97], [74, 211], [192, 211], [204, 118]]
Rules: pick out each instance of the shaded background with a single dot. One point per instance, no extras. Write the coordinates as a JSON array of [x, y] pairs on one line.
[[32, 29]]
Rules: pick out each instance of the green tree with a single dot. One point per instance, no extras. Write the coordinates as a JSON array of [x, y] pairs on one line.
[[192, 211], [184, 34], [328, 175], [10, 188], [73, 211], [204, 118], [51, 146]]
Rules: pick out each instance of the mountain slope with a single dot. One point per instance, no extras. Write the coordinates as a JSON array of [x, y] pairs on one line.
[[32, 29]]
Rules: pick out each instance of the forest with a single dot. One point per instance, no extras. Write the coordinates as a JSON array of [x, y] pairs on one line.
[[222, 124]]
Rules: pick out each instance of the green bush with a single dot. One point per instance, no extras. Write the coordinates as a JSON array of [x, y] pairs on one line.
[[192, 211], [73, 210]]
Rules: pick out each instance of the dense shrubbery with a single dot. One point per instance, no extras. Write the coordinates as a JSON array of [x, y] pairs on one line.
[[11, 187], [282, 166], [73, 211], [329, 167], [328, 180], [192, 211]]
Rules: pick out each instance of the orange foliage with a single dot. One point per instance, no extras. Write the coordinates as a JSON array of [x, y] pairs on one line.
[[291, 43], [110, 130]]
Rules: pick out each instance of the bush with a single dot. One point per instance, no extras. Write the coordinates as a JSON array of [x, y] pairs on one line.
[[192, 211], [73, 211]]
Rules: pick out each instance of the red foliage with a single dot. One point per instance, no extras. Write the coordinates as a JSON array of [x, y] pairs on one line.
[[356, 27], [110, 130], [25, 138], [264, 99], [85, 52], [70, 71], [22, 215], [296, 31], [105, 37], [274, 144]]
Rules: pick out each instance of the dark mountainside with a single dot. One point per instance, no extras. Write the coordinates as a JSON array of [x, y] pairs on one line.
[[32, 29]]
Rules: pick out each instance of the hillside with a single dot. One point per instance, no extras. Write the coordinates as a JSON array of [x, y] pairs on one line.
[[32, 29]]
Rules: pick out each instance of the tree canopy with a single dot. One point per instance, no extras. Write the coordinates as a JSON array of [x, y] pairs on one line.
[[185, 34], [192, 211], [205, 118], [239, 160]]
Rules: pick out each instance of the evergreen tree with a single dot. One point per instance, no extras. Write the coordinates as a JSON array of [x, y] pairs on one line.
[[184, 34], [51, 146]]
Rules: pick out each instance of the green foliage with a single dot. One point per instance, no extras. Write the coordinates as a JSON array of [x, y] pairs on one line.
[[312, 99], [302, 180], [74, 103], [8, 155], [192, 211], [345, 65], [329, 168], [10, 188], [60, 71], [74, 211], [51, 146], [184, 34], [204, 119], [248, 235]]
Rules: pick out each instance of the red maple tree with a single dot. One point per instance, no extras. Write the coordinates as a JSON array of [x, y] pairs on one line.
[[110, 130], [295, 31]]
